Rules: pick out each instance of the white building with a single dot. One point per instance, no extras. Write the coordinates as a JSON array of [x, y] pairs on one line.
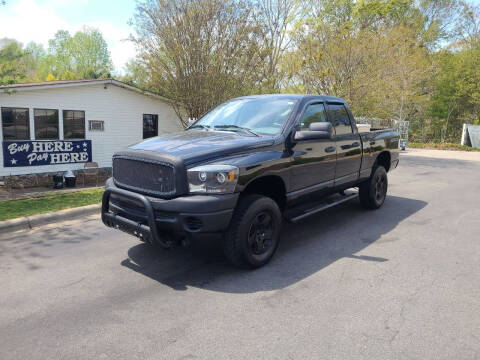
[[60, 125]]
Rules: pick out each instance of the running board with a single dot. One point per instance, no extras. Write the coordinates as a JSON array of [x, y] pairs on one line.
[[301, 212]]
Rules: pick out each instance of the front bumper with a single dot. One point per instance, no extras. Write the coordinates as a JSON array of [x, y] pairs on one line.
[[158, 220]]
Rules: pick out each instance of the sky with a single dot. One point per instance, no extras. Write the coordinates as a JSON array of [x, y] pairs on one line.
[[39, 20]]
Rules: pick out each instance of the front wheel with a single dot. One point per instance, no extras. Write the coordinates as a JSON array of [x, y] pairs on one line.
[[374, 191], [254, 232]]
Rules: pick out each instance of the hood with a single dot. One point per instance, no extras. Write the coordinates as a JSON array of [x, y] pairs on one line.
[[198, 145]]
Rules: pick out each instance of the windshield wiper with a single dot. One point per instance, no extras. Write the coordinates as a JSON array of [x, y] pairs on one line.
[[204, 127], [236, 127]]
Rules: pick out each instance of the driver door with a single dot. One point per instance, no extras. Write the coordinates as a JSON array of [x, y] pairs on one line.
[[314, 160]]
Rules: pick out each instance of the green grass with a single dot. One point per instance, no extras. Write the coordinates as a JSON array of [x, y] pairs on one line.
[[19, 208], [444, 146]]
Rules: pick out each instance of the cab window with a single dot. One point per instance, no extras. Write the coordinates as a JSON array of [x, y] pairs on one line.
[[339, 117], [313, 113]]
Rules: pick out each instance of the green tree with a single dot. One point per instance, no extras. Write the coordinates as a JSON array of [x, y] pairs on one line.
[[379, 75], [455, 86], [383, 57], [34, 56], [200, 52], [468, 28], [440, 20], [12, 62], [138, 74], [82, 56], [456, 96], [274, 17]]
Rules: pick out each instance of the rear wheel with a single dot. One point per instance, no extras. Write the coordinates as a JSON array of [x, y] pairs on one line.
[[374, 191], [254, 232]]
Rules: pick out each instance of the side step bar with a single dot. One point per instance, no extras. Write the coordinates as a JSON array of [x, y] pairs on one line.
[[302, 212]]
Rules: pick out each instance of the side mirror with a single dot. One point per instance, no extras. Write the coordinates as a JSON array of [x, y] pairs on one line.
[[317, 130], [321, 126]]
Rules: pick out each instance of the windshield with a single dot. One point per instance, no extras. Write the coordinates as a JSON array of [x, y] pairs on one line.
[[261, 116]]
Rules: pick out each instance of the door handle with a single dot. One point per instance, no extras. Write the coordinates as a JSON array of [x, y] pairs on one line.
[[356, 144], [330, 149]]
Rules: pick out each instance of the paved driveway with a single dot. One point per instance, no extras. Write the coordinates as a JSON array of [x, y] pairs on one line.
[[402, 282]]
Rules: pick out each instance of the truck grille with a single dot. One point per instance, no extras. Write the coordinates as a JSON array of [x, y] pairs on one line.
[[148, 177]]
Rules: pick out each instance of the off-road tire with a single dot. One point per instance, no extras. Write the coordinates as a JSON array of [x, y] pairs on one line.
[[247, 216], [373, 192]]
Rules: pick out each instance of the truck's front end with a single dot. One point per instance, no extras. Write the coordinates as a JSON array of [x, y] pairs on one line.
[[154, 197]]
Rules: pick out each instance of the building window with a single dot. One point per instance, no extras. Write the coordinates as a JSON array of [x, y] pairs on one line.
[[150, 125], [46, 124], [73, 124], [95, 125], [15, 124]]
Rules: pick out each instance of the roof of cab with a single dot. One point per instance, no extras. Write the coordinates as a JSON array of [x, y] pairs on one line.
[[305, 97]]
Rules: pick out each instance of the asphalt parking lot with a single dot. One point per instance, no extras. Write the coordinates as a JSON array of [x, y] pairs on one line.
[[402, 282]]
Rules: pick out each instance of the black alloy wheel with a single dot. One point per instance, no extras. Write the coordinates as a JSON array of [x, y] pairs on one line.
[[254, 232], [373, 192], [380, 188], [260, 233]]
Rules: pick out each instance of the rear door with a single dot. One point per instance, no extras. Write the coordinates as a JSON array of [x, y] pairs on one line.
[[348, 144]]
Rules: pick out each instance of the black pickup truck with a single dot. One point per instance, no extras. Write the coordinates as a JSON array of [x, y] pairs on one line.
[[244, 167]]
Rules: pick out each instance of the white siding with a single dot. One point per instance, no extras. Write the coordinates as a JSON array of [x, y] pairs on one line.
[[121, 110]]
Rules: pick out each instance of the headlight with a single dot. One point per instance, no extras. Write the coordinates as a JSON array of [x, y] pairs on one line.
[[217, 179]]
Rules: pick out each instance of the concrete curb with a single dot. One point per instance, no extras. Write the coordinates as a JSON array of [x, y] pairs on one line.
[[30, 222]]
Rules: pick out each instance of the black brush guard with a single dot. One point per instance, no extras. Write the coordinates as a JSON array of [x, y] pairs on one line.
[[146, 232]]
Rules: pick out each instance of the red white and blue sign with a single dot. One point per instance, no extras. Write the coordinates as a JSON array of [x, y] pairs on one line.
[[46, 152]]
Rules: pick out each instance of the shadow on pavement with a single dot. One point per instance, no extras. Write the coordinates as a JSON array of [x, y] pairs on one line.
[[306, 248]]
